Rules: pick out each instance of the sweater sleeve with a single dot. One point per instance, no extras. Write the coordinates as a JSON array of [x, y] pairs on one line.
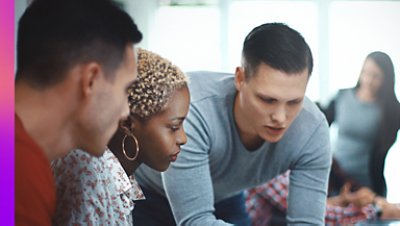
[[187, 182], [309, 180]]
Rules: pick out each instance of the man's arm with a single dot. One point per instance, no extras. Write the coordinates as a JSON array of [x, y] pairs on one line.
[[187, 182], [309, 180]]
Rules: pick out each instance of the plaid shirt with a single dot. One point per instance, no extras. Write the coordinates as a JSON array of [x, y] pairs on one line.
[[261, 199]]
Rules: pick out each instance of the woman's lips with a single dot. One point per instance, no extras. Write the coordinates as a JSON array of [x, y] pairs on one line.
[[174, 157]]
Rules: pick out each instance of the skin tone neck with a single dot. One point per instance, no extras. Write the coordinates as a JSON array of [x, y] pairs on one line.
[[365, 95], [46, 116], [249, 138], [247, 135]]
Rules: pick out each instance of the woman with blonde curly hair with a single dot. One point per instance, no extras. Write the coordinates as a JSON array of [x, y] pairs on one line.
[[101, 190]]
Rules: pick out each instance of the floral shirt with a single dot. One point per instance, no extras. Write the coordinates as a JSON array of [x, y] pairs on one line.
[[94, 190], [259, 202]]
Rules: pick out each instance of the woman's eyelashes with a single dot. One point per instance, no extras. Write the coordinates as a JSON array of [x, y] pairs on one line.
[[176, 127]]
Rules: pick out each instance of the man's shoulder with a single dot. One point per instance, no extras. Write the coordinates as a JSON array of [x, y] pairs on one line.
[[309, 120], [25, 146], [207, 84], [310, 111], [30, 159], [209, 75], [34, 183], [32, 168], [309, 128]]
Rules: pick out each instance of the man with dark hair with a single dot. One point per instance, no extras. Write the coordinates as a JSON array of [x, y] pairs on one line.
[[243, 130], [75, 60]]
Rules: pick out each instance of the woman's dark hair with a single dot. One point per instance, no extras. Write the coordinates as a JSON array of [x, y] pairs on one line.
[[390, 118], [386, 94]]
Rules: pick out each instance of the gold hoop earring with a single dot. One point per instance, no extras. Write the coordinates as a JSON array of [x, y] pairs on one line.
[[137, 148]]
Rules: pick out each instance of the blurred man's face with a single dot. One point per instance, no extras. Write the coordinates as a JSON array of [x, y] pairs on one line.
[[108, 105]]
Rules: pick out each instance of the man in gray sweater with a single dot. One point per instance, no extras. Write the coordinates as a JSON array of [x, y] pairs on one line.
[[243, 130]]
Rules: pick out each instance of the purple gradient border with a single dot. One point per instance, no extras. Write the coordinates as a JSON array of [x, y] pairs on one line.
[[7, 112]]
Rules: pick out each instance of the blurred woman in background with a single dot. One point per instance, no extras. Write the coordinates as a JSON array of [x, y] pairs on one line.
[[368, 119]]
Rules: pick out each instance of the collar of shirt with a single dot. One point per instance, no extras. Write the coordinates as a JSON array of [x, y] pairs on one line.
[[122, 184]]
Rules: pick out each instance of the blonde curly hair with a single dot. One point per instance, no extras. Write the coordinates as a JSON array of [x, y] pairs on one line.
[[157, 80]]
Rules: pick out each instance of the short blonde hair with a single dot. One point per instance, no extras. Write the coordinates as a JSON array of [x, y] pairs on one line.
[[157, 80]]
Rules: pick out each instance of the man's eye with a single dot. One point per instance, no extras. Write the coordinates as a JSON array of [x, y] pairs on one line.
[[268, 101], [294, 102]]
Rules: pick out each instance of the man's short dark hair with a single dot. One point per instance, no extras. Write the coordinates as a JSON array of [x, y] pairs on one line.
[[55, 35], [278, 46]]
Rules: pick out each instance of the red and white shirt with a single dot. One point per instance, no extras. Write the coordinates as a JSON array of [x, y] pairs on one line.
[[261, 199], [94, 190]]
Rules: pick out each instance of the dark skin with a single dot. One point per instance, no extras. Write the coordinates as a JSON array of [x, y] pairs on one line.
[[159, 137]]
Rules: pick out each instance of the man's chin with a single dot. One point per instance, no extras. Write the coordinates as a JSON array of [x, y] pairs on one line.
[[95, 151], [272, 138]]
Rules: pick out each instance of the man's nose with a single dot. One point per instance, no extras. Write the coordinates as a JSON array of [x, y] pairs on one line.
[[279, 116]]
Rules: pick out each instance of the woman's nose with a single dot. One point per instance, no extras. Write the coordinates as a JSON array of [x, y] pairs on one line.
[[181, 139]]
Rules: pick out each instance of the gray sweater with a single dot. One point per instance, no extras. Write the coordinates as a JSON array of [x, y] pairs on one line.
[[358, 124], [214, 164]]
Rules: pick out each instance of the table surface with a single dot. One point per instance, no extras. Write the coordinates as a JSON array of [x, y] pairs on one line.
[[380, 222]]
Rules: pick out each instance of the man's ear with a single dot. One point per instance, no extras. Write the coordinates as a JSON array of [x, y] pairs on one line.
[[239, 78], [91, 75]]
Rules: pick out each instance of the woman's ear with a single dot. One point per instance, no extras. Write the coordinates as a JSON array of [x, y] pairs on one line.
[[132, 125]]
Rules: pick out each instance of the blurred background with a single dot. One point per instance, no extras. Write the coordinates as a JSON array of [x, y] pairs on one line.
[[208, 35]]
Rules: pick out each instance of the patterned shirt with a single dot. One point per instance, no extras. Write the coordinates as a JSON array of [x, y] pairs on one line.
[[260, 200], [94, 190]]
